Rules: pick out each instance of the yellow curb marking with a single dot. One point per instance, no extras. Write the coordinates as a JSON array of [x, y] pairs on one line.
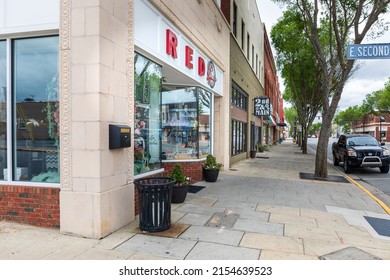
[[380, 202]]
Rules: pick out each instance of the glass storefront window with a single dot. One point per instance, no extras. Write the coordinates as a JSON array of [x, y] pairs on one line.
[[147, 120], [185, 123], [36, 109], [3, 110], [238, 143]]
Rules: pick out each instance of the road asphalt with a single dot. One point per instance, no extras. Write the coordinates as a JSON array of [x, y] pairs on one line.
[[258, 209]]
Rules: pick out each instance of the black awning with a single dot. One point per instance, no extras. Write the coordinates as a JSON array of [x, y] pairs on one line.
[[282, 124]]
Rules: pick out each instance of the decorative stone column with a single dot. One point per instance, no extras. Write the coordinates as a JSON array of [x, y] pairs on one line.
[[96, 73]]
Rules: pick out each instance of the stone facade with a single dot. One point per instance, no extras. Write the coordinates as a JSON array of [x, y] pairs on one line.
[[96, 90], [246, 65]]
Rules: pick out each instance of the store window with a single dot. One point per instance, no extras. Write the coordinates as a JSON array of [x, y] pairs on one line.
[[185, 123], [3, 109], [147, 120], [35, 109], [239, 131]]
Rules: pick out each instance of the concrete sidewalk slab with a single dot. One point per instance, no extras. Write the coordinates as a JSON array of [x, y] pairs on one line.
[[214, 235], [349, 253], [272, 242], [157, 246], [213, 251], [249, 225]]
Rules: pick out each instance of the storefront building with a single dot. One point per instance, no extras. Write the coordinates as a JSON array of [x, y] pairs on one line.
[[70, 69], [275, 121], [247, 76], [184, 81]]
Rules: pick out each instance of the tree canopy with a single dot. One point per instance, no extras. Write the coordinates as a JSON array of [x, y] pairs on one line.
[[295, 57], [344, 22]]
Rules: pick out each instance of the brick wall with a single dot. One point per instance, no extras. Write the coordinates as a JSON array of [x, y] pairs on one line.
[[36, 206], [191, 169]]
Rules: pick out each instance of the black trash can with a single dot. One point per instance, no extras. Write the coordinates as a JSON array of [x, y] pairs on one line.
[[154, 203]]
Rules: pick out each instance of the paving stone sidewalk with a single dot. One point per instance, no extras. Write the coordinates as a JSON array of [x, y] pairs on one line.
[[259, 209]]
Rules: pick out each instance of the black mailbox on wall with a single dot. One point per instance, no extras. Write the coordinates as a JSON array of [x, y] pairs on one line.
[[119, 136]]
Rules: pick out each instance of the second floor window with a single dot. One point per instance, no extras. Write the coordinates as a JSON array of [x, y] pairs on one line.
[[235, 19], [239, 98], [242, 35]]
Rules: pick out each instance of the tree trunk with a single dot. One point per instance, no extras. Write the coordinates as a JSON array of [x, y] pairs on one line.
[[321, 166], [304, 139]]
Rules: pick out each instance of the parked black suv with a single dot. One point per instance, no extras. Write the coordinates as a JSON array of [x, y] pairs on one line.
[[360, 150]]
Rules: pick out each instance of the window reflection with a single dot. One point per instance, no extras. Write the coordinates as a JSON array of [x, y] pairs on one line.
[[36, 109], [147, 121], [3, 110], [185, 123]]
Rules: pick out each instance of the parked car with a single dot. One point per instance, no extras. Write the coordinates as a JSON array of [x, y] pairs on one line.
[[360, 150]]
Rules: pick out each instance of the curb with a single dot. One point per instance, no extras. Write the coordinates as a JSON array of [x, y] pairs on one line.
[[380, 202]]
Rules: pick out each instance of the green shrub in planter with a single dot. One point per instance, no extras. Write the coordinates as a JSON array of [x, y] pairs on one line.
[[211, 168]]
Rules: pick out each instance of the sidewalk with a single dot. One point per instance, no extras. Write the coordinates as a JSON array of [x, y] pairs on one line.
[[259, 209]]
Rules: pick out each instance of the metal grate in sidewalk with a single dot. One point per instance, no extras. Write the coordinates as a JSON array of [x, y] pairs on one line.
[[381, 226]]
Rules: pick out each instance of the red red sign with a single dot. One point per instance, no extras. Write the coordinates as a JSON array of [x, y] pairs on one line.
[[171, 49]]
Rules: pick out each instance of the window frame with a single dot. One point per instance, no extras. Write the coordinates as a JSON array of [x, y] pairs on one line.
[[238, 137], [10, 112], [197, 91], [239, 98]]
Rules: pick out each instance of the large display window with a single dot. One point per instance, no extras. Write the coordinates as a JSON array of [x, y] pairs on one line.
[[30, 75], [35, 109], [147, 120], [185, 122]]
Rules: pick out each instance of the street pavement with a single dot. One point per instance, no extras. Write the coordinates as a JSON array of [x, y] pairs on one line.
[[258, 209]]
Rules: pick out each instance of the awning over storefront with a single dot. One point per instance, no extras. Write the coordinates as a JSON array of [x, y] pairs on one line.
[[272, 120], [282, 124]]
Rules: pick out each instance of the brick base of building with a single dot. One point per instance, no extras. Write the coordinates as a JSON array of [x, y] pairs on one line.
[[191, 169], [38, 206]]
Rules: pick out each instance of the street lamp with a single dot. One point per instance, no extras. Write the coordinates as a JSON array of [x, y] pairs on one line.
[[381, 119]]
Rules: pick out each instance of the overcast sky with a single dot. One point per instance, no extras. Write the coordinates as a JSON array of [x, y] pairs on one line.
[[371, 75]]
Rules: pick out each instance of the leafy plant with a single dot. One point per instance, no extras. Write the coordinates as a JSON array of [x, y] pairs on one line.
[[263, 147], [179, 177], [211, 163]]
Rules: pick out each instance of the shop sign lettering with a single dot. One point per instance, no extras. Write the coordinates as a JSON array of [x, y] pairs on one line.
[[262, 106], [172, 43]]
